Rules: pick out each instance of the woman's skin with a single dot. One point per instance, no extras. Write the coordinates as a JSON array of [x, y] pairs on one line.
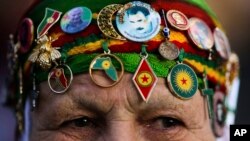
[[87, 112]]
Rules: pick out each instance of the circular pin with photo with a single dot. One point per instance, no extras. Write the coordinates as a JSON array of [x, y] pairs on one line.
[[200, 34], [138, 22], [25, 35], [177, 19], [221, 43], [183, 81], [76, 20]]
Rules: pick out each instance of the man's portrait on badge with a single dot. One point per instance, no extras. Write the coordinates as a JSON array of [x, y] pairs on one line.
[[86, 86]]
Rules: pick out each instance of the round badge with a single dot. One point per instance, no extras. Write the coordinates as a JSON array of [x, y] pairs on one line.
[[138, 22], [183, 81], [102, 67], [221, 43], [169, 50], [104, 21], [220, 111], [76, 20], [200, 34], [57, 79], [177, 19], [25, 35]]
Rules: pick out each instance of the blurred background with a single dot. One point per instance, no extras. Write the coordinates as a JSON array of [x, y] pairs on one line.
[[234, 16]]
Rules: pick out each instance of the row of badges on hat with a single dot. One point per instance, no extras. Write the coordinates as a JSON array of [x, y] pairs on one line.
[[136, 21]]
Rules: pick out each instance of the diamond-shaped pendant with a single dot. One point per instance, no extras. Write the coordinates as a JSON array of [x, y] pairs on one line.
[[144, 79]]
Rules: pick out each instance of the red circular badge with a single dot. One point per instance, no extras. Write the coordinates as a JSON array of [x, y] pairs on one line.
[[177, 19], [26, 35]]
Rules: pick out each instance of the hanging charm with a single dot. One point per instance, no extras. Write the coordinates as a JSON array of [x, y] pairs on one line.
[[104, 63], [58, 81], [183, 81], [145, 78], [208, 93], [167, 49], [220, 113]]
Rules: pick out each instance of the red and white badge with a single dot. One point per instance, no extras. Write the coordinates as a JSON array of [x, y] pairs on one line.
[[200, 34], [25, 35], [221, 43], [177, 19]]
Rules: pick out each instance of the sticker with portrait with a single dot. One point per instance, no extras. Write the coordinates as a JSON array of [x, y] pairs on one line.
[[200, 34], [221, 43], [76, 20], [139, 22]]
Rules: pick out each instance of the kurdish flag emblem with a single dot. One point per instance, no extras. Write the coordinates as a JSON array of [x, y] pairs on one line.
[[145, 79], [50, 18], [183, 81]]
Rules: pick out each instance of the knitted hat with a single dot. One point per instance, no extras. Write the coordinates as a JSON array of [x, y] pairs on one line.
[[184, 43]]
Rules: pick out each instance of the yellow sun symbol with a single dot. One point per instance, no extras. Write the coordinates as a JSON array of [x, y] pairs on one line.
[[184, 81], [106, 64]]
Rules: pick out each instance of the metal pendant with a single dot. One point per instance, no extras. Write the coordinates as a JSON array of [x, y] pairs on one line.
[[58, 81], [104, 63], [169, 50], [145, 79], [220, 113], [183, 81]]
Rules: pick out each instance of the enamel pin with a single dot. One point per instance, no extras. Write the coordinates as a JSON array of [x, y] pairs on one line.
[[138, 22], [50, 18], [183, 81], [76, 20]]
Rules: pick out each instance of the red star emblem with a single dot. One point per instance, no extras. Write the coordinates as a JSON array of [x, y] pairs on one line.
[[184, 81], [144, 79]]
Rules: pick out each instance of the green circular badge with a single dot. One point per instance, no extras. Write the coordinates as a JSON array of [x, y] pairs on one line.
[[183, 81]]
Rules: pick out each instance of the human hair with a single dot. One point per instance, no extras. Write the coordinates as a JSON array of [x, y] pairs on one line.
[[134, 10]]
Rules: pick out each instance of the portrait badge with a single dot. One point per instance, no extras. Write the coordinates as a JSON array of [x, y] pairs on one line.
[[138, 22], [221, 43], [200, 34], [76, 20], [177, 19], [183, 81]]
